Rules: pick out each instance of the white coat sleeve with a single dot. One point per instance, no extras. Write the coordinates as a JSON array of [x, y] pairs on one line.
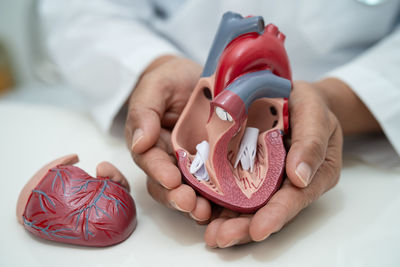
[[375, 78], [101, 48]]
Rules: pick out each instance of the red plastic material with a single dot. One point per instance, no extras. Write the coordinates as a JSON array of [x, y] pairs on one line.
[[228, 186], [253, 52], [69, 206], [285, 113], [230, 196]]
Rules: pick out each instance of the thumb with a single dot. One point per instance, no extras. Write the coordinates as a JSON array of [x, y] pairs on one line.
[[311, 125], [146, 108]]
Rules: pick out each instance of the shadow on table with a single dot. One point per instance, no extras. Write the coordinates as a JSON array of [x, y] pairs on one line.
[[184, 231], [171, 223], [308, 221]]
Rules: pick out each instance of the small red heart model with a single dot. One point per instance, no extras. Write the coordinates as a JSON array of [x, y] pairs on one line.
[[228, 140], [63, 203]]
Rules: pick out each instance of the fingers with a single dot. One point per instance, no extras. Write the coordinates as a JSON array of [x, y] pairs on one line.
[[202, 210], [228, 230], [158, 99], [210, 236], [282, 207], [182, 198], [312, 125], [106, 169], [333, 160], [146, 108], [157, 164], [290, 200], [233, 232]]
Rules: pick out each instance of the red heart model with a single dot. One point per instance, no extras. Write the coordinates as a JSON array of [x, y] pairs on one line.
[[65, 204], [228, 140]]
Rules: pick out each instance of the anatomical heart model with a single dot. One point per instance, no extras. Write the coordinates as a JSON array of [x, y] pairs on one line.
[[228, 140], [63, 203]]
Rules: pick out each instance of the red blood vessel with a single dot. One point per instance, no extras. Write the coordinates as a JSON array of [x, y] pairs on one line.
[[69, 206]]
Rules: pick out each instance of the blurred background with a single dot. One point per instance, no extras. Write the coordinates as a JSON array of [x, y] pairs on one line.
[[14, 60], [26, 73]]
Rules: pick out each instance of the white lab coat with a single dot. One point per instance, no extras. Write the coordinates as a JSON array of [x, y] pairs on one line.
[[102, 46]]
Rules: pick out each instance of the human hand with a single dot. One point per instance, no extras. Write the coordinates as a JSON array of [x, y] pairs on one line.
[[316, 141], [154, 107], [313, 166]]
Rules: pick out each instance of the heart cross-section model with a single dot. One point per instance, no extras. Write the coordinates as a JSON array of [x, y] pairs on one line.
[[63, 203], [229, 138]]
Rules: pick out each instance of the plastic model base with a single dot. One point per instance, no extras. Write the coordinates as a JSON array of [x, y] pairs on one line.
[[228, 140], [63, 203]]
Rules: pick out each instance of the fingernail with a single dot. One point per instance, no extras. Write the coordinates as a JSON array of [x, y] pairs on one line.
[[232, 243], [303, 171], [137, 135], [173, 204], [163, 185], [263, 238], [195, 218]]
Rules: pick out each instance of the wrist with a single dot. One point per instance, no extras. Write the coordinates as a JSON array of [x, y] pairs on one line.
[[353, 115], [333, 91], [157, 62]]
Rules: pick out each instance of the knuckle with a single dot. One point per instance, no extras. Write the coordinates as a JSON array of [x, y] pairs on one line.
[[157, 79], [316, 147], [335, 181], [141, 111], [131, 117], [149, 186], [149, 78], [145, 165], [134, 111], [283, 207], [154, 191], [333, 173], [332, 122], [310, 196], [136, 159]]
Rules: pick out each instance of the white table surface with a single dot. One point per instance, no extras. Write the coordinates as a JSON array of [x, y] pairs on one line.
[[355, 224]]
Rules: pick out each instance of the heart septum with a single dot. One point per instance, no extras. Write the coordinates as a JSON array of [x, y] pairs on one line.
[[245, 84]]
